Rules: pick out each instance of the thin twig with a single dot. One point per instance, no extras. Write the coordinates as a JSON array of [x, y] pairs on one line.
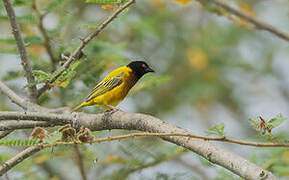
[[84, 42], [18, 158], [5, 133], [208, 138], [45, 37], [22, 50], [79, 161], [259, 24]]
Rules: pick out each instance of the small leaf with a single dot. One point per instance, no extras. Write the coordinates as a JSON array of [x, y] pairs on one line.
[[217, 129], [18, 142], [253, 122], [274, 122]]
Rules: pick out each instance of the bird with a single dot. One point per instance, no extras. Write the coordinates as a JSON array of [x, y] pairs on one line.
[[109, 92]]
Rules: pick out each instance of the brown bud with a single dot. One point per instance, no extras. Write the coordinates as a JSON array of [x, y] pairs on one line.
[[39, 133]]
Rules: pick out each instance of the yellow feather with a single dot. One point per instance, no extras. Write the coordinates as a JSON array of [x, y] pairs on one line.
[[112, 89]]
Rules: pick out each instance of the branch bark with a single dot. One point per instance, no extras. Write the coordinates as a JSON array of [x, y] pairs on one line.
[[18, 158], [15, 125], [22, 50], [22, 102], [129, 121], [259, 24], [84, 42]]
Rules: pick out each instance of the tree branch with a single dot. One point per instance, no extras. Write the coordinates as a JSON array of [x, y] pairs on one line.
[[20, 101], [259, 24], [45, 37], [22, 50], [130, 121], [18, 158], [15, 124], [13, 96], [84, 42], [79, 161], [5, 133]]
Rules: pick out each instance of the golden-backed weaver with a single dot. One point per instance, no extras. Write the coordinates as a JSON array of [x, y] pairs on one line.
[[109, 92]]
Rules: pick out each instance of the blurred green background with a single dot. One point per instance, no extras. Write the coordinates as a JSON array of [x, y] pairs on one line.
[[211, 68]]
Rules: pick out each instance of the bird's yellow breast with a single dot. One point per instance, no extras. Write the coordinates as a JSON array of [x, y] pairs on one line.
[[116, 95]]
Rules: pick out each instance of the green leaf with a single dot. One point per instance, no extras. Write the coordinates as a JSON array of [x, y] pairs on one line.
[[18, 142], [41, 75], [32, 84], [253, 122], [217, 129], [275, 122]]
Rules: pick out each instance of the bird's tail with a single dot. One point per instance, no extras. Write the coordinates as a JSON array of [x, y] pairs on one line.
[[78, 107]]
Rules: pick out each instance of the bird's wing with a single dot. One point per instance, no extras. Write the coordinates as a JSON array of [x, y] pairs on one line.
[[104, 86]]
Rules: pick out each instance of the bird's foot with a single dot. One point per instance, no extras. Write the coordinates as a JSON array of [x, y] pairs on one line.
[[112, 109]]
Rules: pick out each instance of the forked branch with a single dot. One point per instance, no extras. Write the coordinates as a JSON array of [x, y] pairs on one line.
[[259, 24]]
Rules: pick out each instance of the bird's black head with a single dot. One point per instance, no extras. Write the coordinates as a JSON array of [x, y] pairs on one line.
[[140, 68]]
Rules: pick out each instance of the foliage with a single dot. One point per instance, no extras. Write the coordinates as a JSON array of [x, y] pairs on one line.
[[264, 126], [217, 129], [18, 142]]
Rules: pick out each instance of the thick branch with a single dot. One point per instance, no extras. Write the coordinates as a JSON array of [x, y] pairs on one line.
[[14, 124], [22, 102], [259, 24], [13, 96], [84, 42], [121, 120], [18, 159], [36, 116], [21, 47]]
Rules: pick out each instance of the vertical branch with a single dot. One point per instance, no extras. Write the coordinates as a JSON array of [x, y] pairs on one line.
[[79, 161], [45, 37], [21, 47]]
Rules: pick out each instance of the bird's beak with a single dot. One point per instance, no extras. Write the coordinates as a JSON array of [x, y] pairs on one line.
[[148, 69]]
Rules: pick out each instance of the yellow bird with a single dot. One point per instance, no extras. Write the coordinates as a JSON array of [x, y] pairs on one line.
[[115, 86]]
